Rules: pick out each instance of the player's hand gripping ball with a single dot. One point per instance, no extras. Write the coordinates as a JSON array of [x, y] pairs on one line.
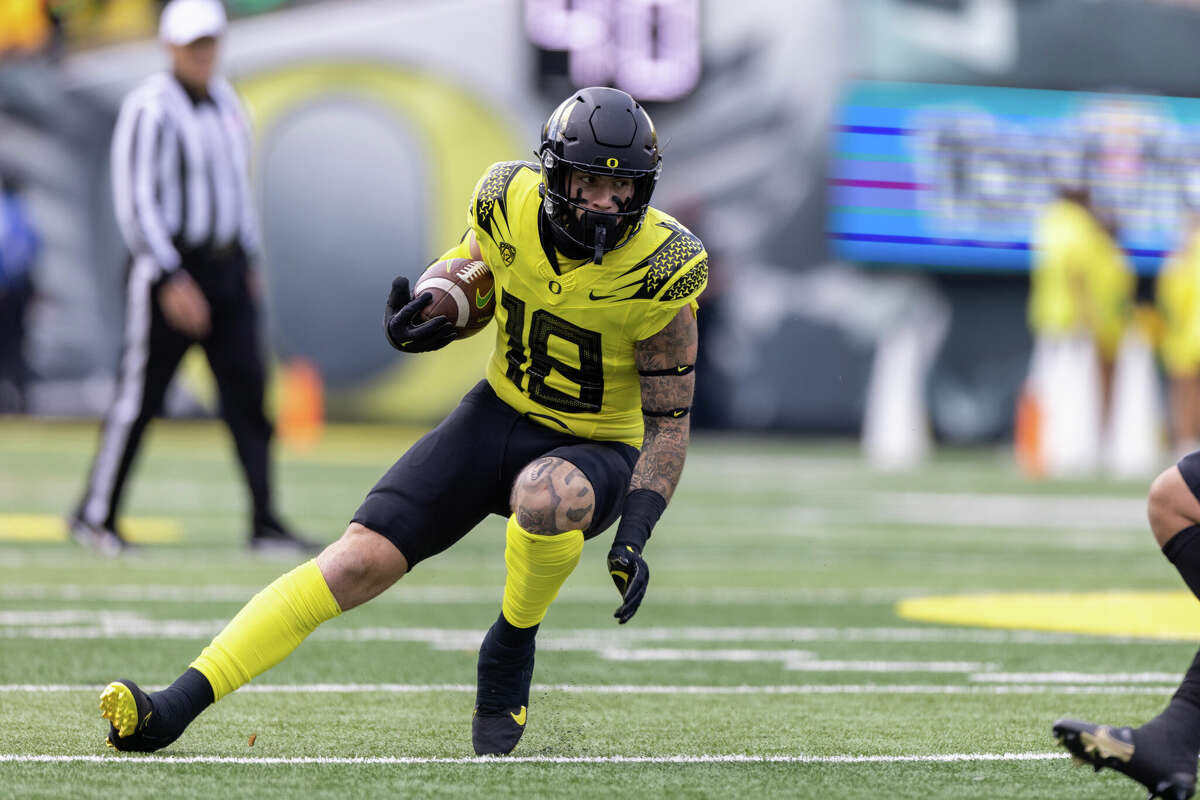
[[403, 326], [463, 292]]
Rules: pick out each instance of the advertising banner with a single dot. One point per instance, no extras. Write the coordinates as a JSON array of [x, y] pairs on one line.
[[954, 177]]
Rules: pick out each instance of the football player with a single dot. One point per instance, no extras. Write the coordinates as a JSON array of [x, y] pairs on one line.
[[582, 417], [1162, 753], [1177, 294]]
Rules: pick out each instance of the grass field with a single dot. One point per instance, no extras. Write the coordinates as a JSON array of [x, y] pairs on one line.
[[770, 658]]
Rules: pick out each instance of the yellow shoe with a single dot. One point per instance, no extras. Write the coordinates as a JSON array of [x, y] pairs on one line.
[[129, 712]]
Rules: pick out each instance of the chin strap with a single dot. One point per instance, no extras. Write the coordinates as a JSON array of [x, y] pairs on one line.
[[601, 235]]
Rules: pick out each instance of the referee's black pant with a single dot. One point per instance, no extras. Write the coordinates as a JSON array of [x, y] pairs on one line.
[[150, 354]]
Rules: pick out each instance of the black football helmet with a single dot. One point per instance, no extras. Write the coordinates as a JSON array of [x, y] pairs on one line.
[[600, 131]]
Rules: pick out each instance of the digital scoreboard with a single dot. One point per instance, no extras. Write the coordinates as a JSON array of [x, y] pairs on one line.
[[649, 48]]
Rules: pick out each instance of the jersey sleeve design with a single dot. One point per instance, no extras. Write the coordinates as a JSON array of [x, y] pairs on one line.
[[690, 283], [491, 199], [679, 248]]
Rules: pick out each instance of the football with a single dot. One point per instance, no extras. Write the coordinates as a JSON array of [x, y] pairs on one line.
[[463, 292]]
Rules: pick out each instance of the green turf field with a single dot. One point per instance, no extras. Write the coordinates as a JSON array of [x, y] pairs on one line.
[[768, 660]]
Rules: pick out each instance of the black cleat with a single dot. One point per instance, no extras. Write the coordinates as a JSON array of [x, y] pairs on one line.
[[1102, 746], [131, 718], [101, 538], [502, 696], [496, 734], [272, 536]]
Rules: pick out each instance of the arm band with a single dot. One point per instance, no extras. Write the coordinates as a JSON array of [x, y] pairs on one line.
[[682, 369], [642, 509], [674, 413]]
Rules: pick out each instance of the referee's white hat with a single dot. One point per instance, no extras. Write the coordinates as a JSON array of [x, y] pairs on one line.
[[185, 21]]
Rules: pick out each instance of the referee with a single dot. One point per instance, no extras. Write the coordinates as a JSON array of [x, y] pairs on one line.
[[181, 191]]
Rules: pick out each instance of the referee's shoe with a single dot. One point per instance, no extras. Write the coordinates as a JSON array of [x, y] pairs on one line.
[[272, 536], [101, 538]]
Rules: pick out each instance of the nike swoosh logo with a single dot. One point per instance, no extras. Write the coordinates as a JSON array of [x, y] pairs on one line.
[[518, 718], [482, 300], [593, 296], [678, 413], [681, 369]]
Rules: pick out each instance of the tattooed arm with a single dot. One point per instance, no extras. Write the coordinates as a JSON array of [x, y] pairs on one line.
[[666, 439], [665, 362]]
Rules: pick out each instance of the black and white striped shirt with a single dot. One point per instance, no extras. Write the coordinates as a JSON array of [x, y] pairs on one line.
[[180, 171]]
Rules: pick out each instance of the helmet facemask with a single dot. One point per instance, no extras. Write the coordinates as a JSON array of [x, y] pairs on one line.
[[602, 132], [594, 231]]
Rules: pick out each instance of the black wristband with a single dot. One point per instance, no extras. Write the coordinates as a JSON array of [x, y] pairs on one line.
[[642, 509], [682, 369], [674, 413]]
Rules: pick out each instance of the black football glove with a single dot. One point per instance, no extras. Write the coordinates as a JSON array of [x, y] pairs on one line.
[[398, 316], [631, 575]]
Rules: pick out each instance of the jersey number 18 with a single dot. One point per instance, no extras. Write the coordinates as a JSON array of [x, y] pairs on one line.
[[589, 375]]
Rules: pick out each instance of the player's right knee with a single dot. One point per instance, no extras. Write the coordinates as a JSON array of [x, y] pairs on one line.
[[1171, 507], [553, 496], [360, 566]]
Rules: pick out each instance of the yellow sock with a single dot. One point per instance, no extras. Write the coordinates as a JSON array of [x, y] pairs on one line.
[[268, 628], [537, 566]]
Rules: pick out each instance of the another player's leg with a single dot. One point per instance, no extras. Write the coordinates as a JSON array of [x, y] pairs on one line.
[[150, 354], [347, 573], [1161, 754], [552, 503]]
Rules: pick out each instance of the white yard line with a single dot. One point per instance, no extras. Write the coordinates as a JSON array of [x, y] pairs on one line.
[[736, 758], [950, 509], [801, 660], [626, 689], [1172, 678], [823, 502]]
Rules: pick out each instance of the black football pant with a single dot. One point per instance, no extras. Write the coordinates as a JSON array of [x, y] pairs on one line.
[[150, 354]]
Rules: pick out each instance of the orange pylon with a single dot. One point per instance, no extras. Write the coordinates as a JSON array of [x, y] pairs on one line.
[[1027, 434], [301, 405]]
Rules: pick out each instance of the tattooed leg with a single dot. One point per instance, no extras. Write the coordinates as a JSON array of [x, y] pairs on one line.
[[552, 503], [552, 496]]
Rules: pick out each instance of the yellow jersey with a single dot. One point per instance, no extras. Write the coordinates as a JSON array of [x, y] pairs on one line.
[[1081, 279], [1177, 291], [564, 347]]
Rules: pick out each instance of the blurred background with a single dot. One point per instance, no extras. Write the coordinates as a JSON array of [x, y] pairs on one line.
[[874, 181]]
